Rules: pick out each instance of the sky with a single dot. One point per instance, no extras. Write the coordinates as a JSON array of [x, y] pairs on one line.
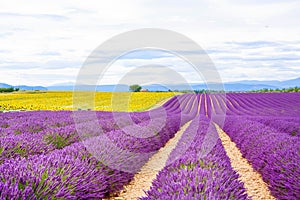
[[47, 42]]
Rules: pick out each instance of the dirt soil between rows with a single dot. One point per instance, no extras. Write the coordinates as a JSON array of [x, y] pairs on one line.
[[142, 181], [253, 182]]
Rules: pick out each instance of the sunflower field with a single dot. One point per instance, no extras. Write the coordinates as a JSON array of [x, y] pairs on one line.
[[106, 101]]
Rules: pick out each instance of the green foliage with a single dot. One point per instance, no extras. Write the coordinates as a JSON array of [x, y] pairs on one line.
[[58, 141], [11, 89], [1, 150], [6, 89], [18, 149], [202, 91], [293, 133], [135, 88], [292, 89]]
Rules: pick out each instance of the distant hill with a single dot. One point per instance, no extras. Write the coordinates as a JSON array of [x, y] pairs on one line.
[[245, 85], [102, 88], [272, 84], [116, 88], [23, 87], [291, 83], [231, 86], [60, 88], [4, 85]]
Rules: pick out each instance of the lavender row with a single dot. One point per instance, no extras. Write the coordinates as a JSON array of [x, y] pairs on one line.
[[273, 154], [94, 168], [70, 173], [37, 121], [263, 104], [192, 174], [14, 144], [34, 121], [39, 132], [287, 125]]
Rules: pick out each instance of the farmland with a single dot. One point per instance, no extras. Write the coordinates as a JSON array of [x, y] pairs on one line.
[[39, 100], [57, 155]]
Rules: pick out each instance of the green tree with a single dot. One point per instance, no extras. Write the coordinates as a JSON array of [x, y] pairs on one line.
[[11, 89], [135, 88]]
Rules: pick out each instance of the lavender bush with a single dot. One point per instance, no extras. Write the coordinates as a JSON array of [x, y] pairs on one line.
[[194, 177]]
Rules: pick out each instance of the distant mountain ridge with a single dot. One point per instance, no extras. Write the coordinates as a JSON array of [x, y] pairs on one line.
[[4, 85], [278, 84], [245, 85], [23, 87]]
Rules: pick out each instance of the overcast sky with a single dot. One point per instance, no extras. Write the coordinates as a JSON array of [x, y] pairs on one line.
[[46, 42]]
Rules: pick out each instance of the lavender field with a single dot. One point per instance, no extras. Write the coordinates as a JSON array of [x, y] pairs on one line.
[[58, 155]]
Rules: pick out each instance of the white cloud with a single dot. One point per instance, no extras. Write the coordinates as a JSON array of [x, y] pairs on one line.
[[57, 36]]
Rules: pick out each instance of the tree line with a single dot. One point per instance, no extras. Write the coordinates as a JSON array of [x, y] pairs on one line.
[[292, 89], [10, 89]]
